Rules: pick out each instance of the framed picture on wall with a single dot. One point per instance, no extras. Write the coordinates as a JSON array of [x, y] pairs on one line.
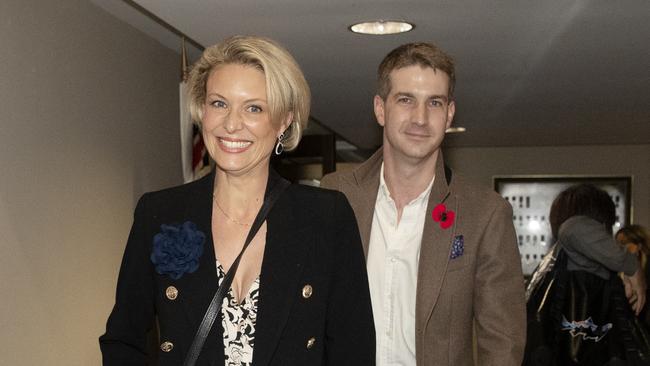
[[531, 198]]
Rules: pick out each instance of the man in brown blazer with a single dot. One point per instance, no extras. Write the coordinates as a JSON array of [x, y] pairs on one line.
[[441, 253]]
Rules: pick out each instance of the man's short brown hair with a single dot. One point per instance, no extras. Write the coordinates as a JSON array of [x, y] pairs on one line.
[[420, 53]]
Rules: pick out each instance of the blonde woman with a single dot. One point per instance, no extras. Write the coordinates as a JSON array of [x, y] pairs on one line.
[[300, 293]]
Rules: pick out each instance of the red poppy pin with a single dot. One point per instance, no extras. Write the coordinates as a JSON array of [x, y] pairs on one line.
[[443, 216]]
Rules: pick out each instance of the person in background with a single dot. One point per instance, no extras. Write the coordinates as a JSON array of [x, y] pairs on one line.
[[442, 255], [582, 307], [581, 219], [634, 238], [300, 294]]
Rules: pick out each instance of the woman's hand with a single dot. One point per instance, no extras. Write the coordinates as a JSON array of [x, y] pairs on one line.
[[635, 290]]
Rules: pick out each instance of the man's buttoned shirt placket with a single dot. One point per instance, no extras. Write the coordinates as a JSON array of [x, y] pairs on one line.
[[393, 257]]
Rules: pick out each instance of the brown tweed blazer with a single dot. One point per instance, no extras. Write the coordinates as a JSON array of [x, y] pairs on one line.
[[480, 291]]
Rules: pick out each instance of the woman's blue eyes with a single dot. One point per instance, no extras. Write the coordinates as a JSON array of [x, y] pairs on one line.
[[219, 104], [254, 109]]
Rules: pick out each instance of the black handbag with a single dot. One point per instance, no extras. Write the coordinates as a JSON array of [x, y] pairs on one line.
[[217, 300], [578, 318]]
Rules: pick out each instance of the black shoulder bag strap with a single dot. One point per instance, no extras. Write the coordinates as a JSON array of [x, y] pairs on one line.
[[217, 300]]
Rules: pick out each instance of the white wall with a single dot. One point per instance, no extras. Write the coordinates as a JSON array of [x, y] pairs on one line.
[[481, 164], [88, 122]]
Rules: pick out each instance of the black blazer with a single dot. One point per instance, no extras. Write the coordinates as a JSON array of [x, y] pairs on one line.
[[312, 239]]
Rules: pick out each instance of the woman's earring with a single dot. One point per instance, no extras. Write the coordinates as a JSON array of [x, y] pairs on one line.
[[279, 147]]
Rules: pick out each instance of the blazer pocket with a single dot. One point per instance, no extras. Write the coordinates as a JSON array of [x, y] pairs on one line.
[[458, 263]]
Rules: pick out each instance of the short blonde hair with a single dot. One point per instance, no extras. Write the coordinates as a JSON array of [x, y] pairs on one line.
[[286, 88]]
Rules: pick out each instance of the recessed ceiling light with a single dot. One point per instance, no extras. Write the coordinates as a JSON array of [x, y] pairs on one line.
[[455, 129], [382, 27]]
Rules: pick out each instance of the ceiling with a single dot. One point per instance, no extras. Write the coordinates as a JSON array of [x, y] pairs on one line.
[[529, 73]]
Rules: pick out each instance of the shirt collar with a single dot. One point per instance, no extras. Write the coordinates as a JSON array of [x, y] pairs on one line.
[[384, 193]]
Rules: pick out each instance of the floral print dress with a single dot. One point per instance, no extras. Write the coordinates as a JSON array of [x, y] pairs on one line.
[[239, 323]]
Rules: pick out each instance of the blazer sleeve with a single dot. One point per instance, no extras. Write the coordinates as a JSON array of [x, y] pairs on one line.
[[350, 332], [499, 303], [589, 238], [125, 340]]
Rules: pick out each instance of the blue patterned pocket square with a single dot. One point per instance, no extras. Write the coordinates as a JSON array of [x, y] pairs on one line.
[[458, 247]]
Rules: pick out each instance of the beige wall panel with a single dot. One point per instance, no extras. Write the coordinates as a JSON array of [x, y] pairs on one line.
[[88, 122]]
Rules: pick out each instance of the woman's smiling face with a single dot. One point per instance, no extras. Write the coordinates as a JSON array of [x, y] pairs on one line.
[[237, 128]]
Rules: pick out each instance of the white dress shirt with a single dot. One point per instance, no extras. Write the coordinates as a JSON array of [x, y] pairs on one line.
[[393, 255]]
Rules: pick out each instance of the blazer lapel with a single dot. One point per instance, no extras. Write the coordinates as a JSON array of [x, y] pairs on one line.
[[435, 248], [367, 179], [202, 284], [287, 244]]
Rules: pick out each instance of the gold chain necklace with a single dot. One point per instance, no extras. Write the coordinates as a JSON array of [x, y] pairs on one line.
[[228, 216]]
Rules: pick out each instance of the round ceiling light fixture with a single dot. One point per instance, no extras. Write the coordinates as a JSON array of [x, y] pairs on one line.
[[381, 27]]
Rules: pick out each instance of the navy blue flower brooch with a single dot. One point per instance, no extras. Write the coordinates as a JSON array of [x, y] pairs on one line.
[[177, 249]]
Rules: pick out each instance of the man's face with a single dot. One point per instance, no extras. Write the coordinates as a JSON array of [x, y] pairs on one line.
[[416, 113]]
